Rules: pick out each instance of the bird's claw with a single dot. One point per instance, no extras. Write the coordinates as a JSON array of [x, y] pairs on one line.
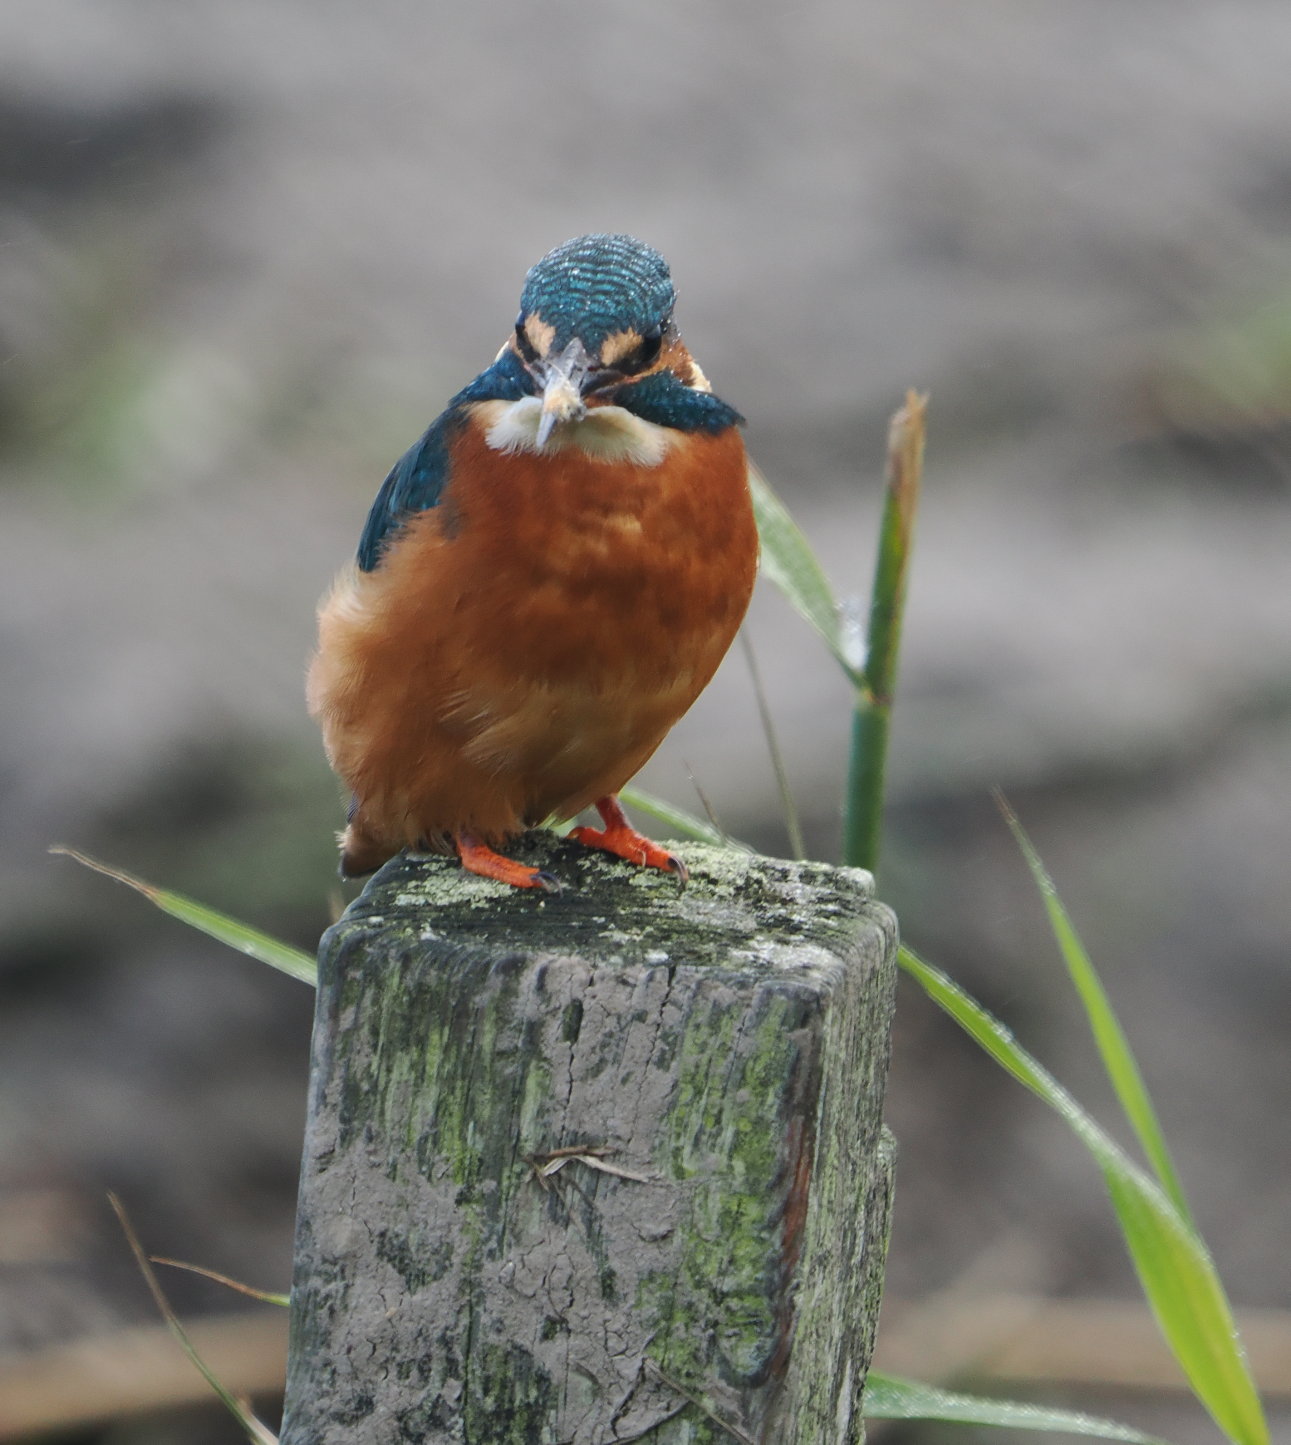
[[478, 858], [632, 847]]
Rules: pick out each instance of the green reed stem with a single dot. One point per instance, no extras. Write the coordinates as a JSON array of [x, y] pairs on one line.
[[863, 808]]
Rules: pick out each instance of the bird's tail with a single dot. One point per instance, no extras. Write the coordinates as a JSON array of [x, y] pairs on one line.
[[361, 851]]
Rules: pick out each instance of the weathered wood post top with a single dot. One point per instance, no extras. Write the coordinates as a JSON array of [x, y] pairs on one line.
[[601, 1167]]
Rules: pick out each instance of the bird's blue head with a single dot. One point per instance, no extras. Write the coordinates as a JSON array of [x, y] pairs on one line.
[[597, 288], [595, 314]]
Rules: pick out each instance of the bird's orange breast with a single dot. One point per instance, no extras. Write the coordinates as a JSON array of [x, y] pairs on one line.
[[524, 646]]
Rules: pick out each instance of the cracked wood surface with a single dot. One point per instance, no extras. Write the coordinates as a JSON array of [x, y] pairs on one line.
[[601, 1167]]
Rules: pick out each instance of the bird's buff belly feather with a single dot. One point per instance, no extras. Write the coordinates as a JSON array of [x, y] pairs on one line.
[[524, 649]]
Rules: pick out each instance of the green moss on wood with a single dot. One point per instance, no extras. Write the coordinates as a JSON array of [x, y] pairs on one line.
[[466, 1029]]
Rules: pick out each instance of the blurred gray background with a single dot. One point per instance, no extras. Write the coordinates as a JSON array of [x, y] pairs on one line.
[[247, 250]]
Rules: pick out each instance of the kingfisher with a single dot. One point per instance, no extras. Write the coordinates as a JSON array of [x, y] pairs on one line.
[[546, 581]]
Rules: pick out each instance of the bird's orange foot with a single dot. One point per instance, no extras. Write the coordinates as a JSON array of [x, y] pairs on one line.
[[622, 839], [478, 858]]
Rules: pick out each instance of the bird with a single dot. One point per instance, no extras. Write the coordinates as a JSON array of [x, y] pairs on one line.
[[546, 581]]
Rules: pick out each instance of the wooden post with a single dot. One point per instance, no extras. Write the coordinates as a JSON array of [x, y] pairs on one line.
[[596, 1168]]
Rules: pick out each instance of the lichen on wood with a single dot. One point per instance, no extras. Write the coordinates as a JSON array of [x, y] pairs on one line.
[[598, 1167]]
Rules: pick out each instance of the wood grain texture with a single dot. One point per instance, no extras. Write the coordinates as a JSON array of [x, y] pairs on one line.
[[726, 1047]]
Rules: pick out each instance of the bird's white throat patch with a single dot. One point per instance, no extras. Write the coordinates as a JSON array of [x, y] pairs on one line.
[[608, 433]]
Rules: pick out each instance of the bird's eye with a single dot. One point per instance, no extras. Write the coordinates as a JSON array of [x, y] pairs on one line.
[[650, 345], [645, 353], [523, 345]]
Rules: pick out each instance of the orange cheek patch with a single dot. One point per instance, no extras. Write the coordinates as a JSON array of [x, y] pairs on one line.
[[676, 358], [619, 345], [540, 334]]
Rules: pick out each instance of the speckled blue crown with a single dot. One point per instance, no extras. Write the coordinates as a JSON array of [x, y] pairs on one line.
[[594, 286]]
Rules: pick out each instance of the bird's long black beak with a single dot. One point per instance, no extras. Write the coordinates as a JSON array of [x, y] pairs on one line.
[[562, 377]]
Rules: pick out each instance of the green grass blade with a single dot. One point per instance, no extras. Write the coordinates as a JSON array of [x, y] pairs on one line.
[[788, 808], [255, 1430], [269, 1297], [1174, 1268], [1113, 1046], [863, 803], [789, 562], [888, 1397], [683, 824], [220, 926]]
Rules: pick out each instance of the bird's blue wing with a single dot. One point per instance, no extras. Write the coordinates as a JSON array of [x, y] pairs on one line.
[[416, 482], [419, 479]]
